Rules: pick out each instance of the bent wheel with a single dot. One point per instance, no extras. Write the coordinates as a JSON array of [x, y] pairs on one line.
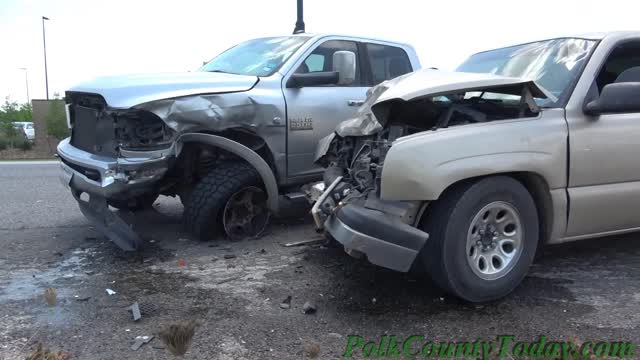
[[245, 214]]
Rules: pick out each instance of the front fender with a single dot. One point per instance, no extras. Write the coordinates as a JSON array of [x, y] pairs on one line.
[[422, 167], [245, 153]]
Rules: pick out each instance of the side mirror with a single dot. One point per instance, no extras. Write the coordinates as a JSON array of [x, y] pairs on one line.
[[313, 79], [621, 97], [344, 63]]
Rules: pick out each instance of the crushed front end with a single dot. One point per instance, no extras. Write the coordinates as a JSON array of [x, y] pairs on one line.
[[350, 209], [112, 155]]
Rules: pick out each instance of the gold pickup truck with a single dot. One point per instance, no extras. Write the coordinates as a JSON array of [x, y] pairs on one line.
[[466, 173]]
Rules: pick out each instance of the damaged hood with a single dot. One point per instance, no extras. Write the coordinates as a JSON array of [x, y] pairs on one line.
[[129, 90], [424, 83]]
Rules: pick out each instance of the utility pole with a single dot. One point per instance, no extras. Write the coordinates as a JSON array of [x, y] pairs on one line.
[[299, 29], [44, 44], [26, 82]]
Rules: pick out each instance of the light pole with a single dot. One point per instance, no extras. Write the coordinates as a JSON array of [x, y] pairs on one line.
[[44, 44], [26, 82]]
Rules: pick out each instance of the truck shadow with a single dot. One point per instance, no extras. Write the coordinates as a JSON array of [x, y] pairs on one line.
[[362, 288]]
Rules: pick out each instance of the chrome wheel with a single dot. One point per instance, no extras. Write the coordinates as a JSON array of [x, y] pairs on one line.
[[245, 214], [494, 240]]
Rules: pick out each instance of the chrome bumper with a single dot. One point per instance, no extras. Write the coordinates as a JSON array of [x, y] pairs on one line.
[[120, 177]]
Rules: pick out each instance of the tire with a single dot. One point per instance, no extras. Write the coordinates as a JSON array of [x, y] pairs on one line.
[[203, 211], [139, 203], [462, 268]]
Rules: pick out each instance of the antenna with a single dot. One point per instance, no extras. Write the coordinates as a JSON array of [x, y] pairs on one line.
[[299, 29]]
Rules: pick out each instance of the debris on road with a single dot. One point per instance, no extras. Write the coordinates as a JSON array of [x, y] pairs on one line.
[[82, 298], [177, 337], [110, 292], [50, 296], [312, 241], [141, 340], [286, 303], [309, 308], [135, 311], [229, 256], [182, 263]]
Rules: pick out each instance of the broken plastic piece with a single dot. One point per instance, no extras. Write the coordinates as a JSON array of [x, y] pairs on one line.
[[141, 340], [110, 292], [135, 310]]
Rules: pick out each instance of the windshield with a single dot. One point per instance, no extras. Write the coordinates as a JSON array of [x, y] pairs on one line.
[[259, 57], [553, 64]]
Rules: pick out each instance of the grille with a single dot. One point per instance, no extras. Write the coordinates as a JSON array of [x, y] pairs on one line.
[[93, 129]]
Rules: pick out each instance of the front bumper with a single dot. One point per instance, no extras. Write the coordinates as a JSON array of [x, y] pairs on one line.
[[120, 178], [371, 228]]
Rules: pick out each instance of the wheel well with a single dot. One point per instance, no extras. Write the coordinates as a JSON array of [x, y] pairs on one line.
[[536, 185], [197, 159]]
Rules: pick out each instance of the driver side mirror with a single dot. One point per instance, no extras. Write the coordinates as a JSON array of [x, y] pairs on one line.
[[623, 97], [344, 73], [344, 63]]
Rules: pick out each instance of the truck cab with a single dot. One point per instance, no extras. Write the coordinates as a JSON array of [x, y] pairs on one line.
[[233, 140]]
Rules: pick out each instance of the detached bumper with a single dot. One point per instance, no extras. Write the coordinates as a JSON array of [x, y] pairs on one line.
[[105, 178], [111, 177], [385, 241]]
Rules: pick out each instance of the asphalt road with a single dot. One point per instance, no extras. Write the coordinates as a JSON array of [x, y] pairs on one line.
[[576, 292]]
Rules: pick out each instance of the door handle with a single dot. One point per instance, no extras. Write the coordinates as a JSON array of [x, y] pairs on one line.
[[355, 102]]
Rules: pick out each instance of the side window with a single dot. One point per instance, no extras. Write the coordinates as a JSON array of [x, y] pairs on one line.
[[623, 57], [321, 59], [387, 62]]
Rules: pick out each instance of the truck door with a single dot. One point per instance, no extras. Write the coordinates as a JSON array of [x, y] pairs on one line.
[[604, 174], [314, 112]]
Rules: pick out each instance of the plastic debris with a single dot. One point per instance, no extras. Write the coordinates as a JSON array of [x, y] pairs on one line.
[[182, 262], [141, 340], [286, 303], [110, 292], [135, 310], [309, 308]]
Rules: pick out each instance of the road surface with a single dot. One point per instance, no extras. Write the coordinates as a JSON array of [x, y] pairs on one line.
[[575, 292]]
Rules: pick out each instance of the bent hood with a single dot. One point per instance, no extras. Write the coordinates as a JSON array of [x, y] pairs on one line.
[[425, 83], [129, 90]]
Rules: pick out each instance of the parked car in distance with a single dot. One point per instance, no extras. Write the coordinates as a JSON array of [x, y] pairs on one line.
[[466, 174], [234, 140], [25, 128]]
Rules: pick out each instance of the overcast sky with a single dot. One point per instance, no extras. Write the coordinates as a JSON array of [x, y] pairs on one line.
[[86, 38]]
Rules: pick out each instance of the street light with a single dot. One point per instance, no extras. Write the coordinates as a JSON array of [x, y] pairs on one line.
[[26, 82], [44, 43]]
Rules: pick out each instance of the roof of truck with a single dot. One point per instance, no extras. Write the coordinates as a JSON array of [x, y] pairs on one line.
[[356, 37]]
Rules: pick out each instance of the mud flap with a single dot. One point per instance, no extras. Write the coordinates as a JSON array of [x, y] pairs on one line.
[[107, 222]]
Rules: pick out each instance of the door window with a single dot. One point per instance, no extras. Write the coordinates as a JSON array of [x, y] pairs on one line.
[[387, 62], [623, 57], [321, 59]]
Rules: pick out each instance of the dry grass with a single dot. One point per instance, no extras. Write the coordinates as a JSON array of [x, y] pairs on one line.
[[311, 349], [40, 353], [50, 296], [177, 337]]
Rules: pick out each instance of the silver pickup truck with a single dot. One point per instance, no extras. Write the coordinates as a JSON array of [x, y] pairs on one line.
[[233, 140], [465, 174]]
